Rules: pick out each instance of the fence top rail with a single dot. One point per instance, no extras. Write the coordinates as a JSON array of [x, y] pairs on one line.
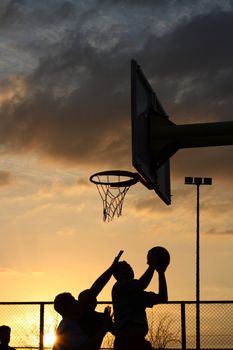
[[179, 302], [185, 302]]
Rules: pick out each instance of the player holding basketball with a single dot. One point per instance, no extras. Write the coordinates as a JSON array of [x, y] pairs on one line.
[[130, 301]]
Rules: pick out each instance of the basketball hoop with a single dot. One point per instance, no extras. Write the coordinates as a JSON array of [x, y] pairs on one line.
[[112, 186]]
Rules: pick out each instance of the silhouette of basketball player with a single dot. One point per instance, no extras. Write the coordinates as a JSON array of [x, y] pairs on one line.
[[130, 301], [91, 320], [5, 336], [69, 334], [81, 328]]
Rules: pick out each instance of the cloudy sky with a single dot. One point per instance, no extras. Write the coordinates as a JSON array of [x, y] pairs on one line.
[[65, 114]]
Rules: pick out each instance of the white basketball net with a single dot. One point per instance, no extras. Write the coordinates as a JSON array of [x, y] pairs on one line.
[[112, 198]]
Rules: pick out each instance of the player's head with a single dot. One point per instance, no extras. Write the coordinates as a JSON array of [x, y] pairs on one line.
[[64, 303], [87, 300], [123, 271], [5, 334]]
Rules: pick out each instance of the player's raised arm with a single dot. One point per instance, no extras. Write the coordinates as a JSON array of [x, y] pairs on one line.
[[158, 258], [146, 278], [163, 293], [103, 279]]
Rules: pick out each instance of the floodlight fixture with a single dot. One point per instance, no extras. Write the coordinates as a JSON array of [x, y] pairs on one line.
[[197, 181], [189, 180], [207, 181]]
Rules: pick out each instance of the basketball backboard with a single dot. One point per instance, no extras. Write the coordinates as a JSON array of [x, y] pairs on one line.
[[145, 109]]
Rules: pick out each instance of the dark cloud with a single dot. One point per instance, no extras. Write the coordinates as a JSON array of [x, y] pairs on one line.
[[195, 47], [21, 12], [192, 65], [10, 11], [76, 105]]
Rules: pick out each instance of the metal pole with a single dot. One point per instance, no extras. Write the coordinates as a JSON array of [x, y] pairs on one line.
[[198, 181], [198, 271], [183, 326], [41, 337]]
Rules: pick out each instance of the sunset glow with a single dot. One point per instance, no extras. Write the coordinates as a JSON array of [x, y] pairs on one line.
[[49, 339], [65, 114]]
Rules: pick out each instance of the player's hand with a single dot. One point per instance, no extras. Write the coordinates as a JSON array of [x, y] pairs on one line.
[[157, 265], [161, 268], [152, 263], [117, 258], [107, 319]]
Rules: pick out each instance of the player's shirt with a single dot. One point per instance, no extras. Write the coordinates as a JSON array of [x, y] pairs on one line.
[[129, 305], [69, 335], [91, 322]]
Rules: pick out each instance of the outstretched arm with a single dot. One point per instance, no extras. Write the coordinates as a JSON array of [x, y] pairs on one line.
[[102, 280]]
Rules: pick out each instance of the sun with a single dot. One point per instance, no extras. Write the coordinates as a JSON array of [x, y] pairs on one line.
[[49, 339]]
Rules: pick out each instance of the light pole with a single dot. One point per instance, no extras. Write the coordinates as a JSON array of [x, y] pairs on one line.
[[197, 181]]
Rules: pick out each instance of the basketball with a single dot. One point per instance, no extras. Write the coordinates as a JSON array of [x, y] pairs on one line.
[[158, 257]]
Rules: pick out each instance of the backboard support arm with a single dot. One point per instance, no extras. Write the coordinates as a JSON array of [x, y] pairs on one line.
[[168, 139]]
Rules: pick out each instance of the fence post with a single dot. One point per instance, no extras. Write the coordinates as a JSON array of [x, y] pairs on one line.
[[183, 326], [41, 340]]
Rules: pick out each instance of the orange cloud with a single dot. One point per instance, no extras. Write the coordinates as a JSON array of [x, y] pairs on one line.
[[5, 177]]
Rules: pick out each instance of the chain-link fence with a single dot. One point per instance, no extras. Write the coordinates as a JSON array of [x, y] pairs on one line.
[[172, 325]]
